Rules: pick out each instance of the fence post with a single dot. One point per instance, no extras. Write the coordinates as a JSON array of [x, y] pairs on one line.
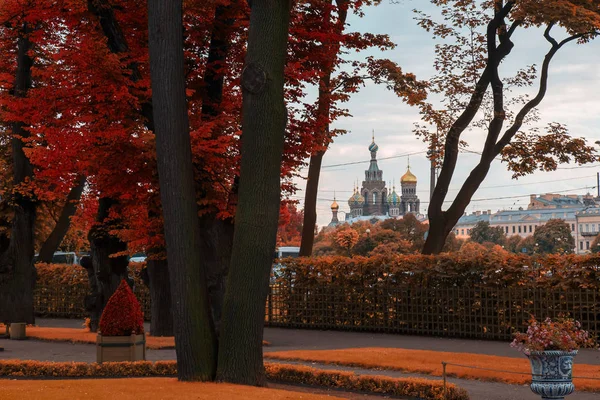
[[270, 305], [444, 378]]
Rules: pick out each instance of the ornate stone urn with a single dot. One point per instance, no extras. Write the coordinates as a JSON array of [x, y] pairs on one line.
[[551, 373]]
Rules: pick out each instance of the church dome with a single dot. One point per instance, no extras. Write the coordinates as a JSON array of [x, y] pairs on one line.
[[373, 146], [393, 198], [408, 177], [334, 205], [356, 199]]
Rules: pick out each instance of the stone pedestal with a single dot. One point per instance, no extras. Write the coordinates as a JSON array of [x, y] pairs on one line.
[[17, 331], [120, 348]]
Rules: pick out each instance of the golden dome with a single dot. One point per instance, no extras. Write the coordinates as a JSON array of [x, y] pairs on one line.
[[408, 177], [334, 205]]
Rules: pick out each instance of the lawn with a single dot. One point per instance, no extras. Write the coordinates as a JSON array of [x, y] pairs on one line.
[[430, 362], [142, 388], [74, 335]]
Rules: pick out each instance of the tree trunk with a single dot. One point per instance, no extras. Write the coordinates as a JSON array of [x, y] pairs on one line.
[[17, 273], [161, 323], [310, 204], [323, 116], [64, 222], [194, 335], [216, 240], [216, 235], [109, 271], [257, 214]]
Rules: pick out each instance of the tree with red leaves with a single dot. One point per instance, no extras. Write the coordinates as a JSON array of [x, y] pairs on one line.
[[319, 32]]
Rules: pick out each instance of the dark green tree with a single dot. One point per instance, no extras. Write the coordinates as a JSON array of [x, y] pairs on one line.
[[482, 232], [513, 243], [554, 237], [595, 247]]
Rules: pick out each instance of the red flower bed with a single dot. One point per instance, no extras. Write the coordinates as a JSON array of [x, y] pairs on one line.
[[122, 315]]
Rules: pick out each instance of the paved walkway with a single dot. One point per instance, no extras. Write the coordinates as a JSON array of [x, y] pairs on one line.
[[294, 339]]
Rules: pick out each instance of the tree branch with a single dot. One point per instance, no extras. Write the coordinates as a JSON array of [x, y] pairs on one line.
[[510, 132]]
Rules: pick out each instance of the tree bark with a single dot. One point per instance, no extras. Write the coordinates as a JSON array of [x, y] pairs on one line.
[[310, 204], [64, 222], [161, 323], [194, 336], [109, 271], [256, 218], [17, 273], [216, 235]]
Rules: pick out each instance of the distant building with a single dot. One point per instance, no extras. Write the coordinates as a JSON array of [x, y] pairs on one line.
[[588, 227], [525, 222], [373, 201], [463, 227], [552, 200]]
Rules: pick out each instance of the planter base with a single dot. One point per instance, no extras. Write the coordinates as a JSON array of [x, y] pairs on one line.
[[551, 374], [120, 348], [17, 331]]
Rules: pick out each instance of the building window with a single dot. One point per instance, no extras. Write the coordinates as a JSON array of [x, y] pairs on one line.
[[457, 231], [506, 229], [580, 228], [462, 231], [587, 227], [519, 228], [593, 227], [513, 229], [468, 231], [374, 198], [530, 228], [580, 245], [572, 227], [587, 245]]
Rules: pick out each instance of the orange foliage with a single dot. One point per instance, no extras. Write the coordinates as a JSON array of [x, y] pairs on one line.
[[430, 362], [383, 385], [84, 336], [401, 387], [478, 267], [142, 388]]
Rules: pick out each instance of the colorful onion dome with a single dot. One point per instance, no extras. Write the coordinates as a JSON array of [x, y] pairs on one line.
[[393, 197]]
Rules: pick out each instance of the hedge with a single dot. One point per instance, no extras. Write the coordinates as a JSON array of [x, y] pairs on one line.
[[410, 387], [495, 268]]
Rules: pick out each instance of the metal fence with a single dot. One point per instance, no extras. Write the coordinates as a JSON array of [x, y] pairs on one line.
[[468, 312], [69, 301], [452, 312]]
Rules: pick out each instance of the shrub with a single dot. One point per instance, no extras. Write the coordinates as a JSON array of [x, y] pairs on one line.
[[401, 387], [490, 268], [122, 315], [405, 387]]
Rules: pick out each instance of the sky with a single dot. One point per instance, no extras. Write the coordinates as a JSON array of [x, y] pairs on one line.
[[573, 99]]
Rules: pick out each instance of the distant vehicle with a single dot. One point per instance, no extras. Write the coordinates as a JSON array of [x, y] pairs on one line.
[[287, 251], [283, 252], [138, 257], [61, 257]]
